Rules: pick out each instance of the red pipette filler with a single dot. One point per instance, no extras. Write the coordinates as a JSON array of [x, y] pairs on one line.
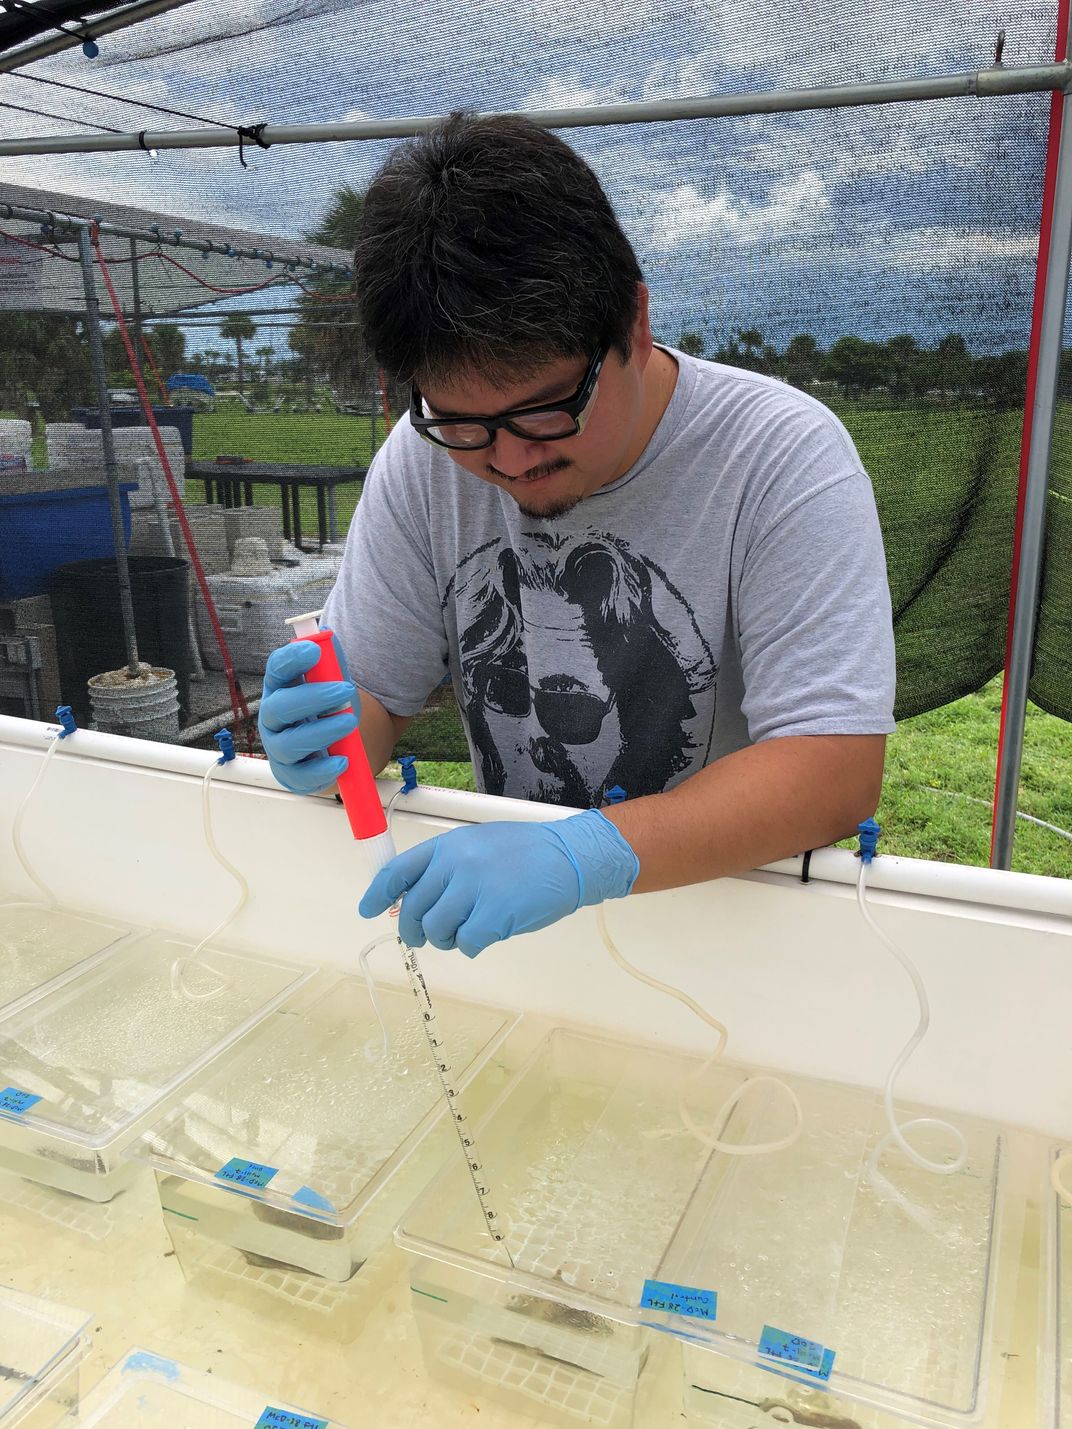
[[357, 786]]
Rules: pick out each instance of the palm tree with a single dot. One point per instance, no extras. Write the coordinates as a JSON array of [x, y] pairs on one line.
[[335, 344], [238, 329]]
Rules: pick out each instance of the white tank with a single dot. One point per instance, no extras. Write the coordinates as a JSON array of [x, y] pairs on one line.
[[135, 453], [255, 598]]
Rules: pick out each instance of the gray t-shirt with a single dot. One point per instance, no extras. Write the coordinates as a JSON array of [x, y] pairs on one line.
[[729, 588]]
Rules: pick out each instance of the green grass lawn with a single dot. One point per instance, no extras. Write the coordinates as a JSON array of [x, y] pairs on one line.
[[952, 750], [309, 438]]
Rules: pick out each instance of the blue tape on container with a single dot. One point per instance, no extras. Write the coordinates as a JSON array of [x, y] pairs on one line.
[[145, 1362], [246, 1173], [679, 1299], [306, 1196], [287, 1419], [807, 1355], [15, 1100]]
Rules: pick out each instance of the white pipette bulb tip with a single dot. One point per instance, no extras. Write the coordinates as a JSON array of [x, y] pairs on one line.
[[305, 625], [379, 850]]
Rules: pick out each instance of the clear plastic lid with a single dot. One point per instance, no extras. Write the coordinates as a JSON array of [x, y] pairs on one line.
[[40, 1342], [41, 947], [837, 1244], [311, 1112], [90, 1060], [1058, 1391], [154, 1392], [843, 1264]]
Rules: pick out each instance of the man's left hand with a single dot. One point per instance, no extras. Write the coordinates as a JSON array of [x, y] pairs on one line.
[[478, 885]]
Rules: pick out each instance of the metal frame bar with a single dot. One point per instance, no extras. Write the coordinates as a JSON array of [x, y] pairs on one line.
[[981, 84], [111, 470], [90, 29], [1020, 652], [175, 239]]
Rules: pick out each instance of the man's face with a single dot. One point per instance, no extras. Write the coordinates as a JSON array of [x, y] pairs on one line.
[[547, 479]]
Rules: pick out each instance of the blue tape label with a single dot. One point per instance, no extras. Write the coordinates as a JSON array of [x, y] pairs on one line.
[[246, 1173], [679, 1299], [17, 1101], [287, 1419], [803, 1354]]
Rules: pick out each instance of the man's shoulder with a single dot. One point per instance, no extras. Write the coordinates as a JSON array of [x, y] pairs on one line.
[[716, 384], [762, 414]]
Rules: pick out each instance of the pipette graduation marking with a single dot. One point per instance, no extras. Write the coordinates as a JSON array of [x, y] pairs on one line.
[[461, 1122], [357, 788]]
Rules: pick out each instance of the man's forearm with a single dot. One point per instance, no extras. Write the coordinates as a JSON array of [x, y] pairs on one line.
[[762, 803], [380, 731]]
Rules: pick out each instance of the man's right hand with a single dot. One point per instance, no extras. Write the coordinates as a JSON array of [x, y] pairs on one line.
[[294, 731]]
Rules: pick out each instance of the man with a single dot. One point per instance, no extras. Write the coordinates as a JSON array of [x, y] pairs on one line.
[[640, 569]]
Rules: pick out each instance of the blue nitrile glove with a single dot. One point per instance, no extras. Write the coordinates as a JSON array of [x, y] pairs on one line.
[[294, 736], [480, 884]]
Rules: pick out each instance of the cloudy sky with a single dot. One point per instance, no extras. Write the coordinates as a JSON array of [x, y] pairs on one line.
[[917, 218]]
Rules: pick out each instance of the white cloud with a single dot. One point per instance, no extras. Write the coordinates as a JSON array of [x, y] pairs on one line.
[[683, 215], [934, 247], [561, 92]]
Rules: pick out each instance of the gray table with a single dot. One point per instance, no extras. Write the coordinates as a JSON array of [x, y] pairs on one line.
[[231, 484]]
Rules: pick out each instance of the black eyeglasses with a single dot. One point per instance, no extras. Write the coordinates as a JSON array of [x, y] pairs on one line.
[[550, 423]]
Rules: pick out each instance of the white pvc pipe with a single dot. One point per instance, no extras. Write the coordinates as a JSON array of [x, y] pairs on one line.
[[994, 888], [979, 84]]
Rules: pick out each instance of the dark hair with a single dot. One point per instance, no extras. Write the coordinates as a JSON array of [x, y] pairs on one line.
[[488, 245]]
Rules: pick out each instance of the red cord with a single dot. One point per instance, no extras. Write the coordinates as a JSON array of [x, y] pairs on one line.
[[165, 396], [1045, 235], [238, 699]]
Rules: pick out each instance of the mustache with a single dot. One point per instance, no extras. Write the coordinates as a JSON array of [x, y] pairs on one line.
[[547, 469]]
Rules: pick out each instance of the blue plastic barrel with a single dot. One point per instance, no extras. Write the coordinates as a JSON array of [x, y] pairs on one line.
[[41, 531]]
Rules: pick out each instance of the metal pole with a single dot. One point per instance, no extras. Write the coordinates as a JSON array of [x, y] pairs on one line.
[[173, 239], [111, 471], [137, 306], [106, 25], [982, 84], [1032, 541]]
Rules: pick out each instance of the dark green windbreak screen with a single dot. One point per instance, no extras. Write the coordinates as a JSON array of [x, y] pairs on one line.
[[881, 259]]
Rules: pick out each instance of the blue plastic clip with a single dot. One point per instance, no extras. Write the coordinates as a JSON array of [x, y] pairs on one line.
[[869, 832], [90, 48], [65, 715], [154, 228], [409, 773], [615, 795], [225, 740], [178, 234]]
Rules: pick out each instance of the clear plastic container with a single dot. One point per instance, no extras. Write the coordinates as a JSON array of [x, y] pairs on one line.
[[41, 1347], [153, 1392], [589, 1172], [838, 1240], [851, 1283], [85, 1069], [1056, 1359], [329, 1140], [41, 948]]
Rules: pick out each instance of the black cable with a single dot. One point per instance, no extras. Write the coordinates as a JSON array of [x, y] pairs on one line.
[[66, 118], [119, 99], [254, 132]]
